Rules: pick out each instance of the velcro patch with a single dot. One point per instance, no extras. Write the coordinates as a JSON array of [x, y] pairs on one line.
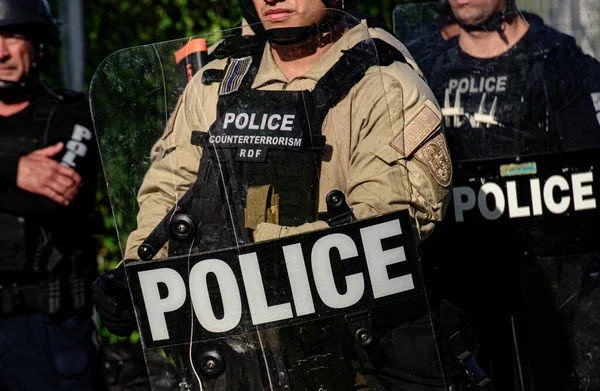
[[436, 156], [417, 130]]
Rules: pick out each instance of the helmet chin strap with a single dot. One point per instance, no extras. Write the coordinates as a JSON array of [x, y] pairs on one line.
[[295, 35]]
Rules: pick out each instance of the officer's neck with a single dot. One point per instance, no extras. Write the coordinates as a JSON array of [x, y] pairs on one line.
[[489, 44], [295, 60], [15, 99], [450, 31], [11, 106]]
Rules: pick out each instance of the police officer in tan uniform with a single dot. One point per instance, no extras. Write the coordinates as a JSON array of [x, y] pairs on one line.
[[385, 149], [382, 145], [380, 166]]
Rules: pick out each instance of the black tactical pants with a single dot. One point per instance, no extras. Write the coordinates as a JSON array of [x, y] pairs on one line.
[[39, 354]]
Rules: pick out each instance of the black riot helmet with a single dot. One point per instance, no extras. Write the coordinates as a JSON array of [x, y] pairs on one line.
[[34, 16], [495, 21], [31, 18], [287, 36]]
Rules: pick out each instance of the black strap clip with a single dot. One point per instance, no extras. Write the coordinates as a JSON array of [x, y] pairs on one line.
[[466, 359]]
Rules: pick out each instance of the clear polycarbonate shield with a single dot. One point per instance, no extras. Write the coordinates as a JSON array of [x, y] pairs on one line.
[[412, 22], [521, 231], [224, 153]]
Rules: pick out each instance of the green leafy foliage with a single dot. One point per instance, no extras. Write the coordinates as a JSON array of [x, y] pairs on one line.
[[117, 24]]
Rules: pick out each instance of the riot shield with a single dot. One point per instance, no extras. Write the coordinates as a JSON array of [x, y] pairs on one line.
[[338, 308], [530, 260], [413, 21], [425, 29], [521, 229]]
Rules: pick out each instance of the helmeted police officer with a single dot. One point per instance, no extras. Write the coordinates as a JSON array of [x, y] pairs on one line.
[[48, 164], [304, 74], [516, 95]]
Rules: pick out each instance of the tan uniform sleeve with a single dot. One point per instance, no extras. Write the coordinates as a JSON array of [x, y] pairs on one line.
[[402, 160], [174, 168]]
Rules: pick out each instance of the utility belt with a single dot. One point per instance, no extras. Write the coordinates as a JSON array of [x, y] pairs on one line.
[[53, 297], [36, 276]]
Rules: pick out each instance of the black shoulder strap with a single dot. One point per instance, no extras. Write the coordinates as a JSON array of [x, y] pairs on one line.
[[349, 70]]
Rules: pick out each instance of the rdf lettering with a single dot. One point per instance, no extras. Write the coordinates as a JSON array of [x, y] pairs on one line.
[[229, 291], [464, 200], [260, 311], [561, 206], [378, 260], [250, 153], [323, 273], [499, 201], [580, 191], [296, 268], [156, 307]]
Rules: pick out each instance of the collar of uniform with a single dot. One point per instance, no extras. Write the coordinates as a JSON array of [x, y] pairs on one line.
[[269, 72]]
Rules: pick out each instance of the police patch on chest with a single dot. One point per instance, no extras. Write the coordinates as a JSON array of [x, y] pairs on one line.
[[252, 132]]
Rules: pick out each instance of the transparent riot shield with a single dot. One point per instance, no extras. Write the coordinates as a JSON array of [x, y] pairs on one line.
[[426, 29], [222, 161], [414, 21], [521, 229]]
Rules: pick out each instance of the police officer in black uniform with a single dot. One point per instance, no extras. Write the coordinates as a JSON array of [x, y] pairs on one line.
[[518, 98], [48, 165]]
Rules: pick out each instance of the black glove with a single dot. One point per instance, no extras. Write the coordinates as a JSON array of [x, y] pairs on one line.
[[110, 293]]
